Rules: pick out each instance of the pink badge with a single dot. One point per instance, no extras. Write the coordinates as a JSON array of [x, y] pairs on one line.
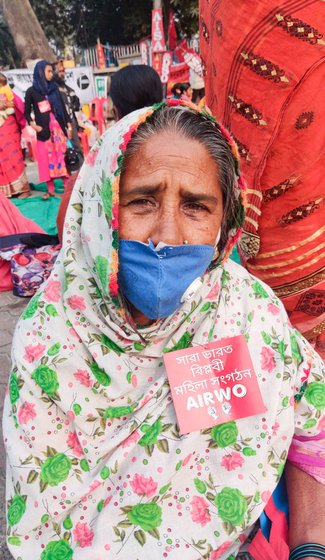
[[213, 383], [44, 106]]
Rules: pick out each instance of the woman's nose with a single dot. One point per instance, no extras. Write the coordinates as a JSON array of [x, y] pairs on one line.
[[168, 228]]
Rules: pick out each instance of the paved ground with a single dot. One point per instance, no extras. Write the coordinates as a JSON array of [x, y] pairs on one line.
[[11, 308]]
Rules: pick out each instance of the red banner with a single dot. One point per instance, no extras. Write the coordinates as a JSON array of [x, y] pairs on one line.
[[157, 32], [167, 58], [172, 34], [101, 56], [178, 73], [157, 62], [190, 57]]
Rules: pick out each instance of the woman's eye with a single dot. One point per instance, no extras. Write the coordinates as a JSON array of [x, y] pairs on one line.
[[142, 203], [195, 207]]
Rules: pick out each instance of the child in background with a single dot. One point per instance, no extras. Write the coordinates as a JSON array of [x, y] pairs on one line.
[[6, 94]]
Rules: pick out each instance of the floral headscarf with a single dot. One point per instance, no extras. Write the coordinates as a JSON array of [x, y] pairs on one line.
[[96, 464]]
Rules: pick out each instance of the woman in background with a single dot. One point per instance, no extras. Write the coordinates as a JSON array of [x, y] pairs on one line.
[[51, 123], [13, 181]]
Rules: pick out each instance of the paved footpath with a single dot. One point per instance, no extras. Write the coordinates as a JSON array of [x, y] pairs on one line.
[[11, 307]]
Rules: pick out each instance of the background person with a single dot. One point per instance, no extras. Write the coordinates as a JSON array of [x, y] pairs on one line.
[[264, 82], [162, 175], [51, 123], [13, 181], [134, 87], [71, 102]]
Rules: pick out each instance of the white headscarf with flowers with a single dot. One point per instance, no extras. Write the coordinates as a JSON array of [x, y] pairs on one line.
[[96, 464]]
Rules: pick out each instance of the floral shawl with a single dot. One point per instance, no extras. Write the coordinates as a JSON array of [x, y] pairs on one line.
[[96, 465]]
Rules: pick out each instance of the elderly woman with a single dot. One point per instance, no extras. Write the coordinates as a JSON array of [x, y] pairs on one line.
[[98, 465]]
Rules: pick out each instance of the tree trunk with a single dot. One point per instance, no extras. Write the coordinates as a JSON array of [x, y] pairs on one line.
[[29, 38]]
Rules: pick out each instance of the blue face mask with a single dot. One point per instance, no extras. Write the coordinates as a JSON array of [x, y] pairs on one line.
[[157, 280]]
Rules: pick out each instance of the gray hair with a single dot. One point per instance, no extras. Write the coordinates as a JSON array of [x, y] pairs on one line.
[[200, 127]]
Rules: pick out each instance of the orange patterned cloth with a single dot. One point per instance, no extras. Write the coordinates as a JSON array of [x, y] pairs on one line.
[[265, 70]]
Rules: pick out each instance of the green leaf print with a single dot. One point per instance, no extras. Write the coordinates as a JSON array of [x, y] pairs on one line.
[[67, 523], [259, 291], [31, 307], [76, 409], [55, 469], [140, 536], [117, 411], [148, 516], [102, 268], [16, 510], [104, 473], [296, 354], [151, 433], [13, 388], [310, 423], [102, 377], [138, 346], [51, 310], [84, 465], [46, 379], [15, 541], [57, 550], [107, 197], [111, 345], [315, 395], [249, 451], [54, 350], [184, 342], [205, 307], [200, 485], [231, 505], [225, 434], [266, 337]]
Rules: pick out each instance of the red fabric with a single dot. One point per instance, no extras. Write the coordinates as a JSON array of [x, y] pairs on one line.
[[19, 111], [12, 222], [276, 548], [172, 34], [68, 188], [12, 168], [265, 69]]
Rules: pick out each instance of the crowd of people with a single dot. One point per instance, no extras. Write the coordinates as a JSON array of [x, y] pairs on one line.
[[161, 404]]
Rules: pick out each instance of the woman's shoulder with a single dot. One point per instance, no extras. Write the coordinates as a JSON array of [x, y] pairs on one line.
[[235, 274]]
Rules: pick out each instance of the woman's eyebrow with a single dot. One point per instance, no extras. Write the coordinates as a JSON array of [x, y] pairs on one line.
[[143, 189], [196, 197]]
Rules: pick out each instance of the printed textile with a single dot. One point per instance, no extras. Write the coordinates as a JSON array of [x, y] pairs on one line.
[[265, 68], [96, 464]]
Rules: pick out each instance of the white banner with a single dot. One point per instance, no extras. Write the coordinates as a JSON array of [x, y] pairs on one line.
[[80, 79]]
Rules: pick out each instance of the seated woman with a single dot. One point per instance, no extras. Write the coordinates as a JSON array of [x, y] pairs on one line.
[[98, 465]]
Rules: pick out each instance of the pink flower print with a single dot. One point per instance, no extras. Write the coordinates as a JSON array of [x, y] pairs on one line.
[[213, 292], [77, 302], [91, 158], [272, 308], [219, 552], [83, 377], [83, 535], [52, 291], [232, 461], [275, 428], [113, 163], [265, 496], [133, 438], [143, 486], [33, 353], [94, 485], [186, 460], [321, 424], [73, 442], [200, 511], [26, 413], [267, 359]]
